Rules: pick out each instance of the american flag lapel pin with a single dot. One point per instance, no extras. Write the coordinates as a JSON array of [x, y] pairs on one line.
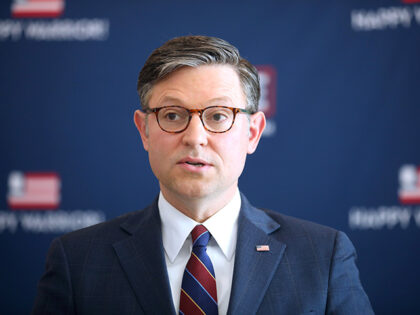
[[262, 248]]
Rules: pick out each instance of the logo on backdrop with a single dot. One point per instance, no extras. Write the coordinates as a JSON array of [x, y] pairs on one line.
[[267, 104], [34, 199], [393, 216], [409, 192], [402, 16], [37, 8], [33, 191], [39, 20]]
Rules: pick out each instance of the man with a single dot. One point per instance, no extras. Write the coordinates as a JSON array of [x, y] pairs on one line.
[[201, 247]]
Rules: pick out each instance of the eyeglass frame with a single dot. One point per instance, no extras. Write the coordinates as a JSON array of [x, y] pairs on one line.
[[234, 110]]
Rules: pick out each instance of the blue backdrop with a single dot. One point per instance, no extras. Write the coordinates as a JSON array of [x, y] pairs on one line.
[[342, 150]]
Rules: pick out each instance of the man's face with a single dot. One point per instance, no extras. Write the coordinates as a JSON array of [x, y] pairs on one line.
[[221, 156]]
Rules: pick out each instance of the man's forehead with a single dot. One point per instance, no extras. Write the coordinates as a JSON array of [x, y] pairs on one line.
[[211, 83]]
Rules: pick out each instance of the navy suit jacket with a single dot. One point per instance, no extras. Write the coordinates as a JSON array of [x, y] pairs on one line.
[[118, 267]]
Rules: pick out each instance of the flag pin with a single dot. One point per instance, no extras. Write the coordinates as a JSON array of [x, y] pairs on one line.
[[263, 248]]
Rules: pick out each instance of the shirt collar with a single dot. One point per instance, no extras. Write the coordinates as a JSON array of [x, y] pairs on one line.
[[176, 227]]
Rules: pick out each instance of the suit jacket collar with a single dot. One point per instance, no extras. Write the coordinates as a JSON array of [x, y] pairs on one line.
[[253, 269], [142, 258]]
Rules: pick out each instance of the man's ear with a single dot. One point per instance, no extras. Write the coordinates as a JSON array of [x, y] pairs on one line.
[[141, 124], [256, 128]]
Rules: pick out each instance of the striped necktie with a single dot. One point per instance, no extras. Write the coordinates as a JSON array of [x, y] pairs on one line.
[[198, 290]]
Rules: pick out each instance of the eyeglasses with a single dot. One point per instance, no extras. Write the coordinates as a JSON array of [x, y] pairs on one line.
[[175, 119]]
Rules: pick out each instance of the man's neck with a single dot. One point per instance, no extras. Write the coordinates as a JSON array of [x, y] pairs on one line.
[[199, 209]]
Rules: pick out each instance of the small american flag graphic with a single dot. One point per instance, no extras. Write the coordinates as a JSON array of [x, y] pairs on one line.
[[37, 8], [409, 192], [29, 191], [263, 248]]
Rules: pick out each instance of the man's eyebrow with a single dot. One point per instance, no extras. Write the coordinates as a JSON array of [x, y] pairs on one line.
[[175, 100], [170, 99], [220, 99]]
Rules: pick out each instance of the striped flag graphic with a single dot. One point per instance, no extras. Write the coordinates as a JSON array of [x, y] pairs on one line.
[[263, 248], [37, 8], [409, 192], [33, 191]]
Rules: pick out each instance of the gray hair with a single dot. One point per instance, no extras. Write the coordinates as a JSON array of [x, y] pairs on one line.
[[194, 51]]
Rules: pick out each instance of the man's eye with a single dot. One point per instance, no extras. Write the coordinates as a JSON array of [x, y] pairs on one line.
[[219, 117], [172, 116]]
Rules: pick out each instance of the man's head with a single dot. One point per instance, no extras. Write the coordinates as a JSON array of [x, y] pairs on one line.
[[195, 125], [194, 51]]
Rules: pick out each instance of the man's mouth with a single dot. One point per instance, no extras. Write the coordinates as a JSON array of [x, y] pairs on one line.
[[195, 164]]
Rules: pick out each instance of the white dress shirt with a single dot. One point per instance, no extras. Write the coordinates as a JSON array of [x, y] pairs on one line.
[[177, 242]]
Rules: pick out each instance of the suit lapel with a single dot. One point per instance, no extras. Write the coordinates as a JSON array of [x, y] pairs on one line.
[[141, 256], [142, 259], [253, 270]]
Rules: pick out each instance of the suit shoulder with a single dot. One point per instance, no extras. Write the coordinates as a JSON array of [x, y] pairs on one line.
[[287, 221], [304, 236], [305, 233]]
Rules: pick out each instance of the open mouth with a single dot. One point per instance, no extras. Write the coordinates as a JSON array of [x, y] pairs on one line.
[[195, 164]]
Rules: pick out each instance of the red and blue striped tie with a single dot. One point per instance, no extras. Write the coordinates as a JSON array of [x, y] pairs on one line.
[[198, 290]]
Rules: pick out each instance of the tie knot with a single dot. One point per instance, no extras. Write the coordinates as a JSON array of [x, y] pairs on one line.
[[200, 236]]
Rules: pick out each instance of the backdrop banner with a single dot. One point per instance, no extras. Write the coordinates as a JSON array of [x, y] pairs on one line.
[[340, 87]]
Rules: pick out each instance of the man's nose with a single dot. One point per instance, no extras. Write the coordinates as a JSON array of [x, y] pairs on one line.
[[195, 134]]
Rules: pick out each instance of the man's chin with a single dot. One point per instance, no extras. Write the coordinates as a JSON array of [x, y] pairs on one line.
[[195, 192], [191, 190]]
